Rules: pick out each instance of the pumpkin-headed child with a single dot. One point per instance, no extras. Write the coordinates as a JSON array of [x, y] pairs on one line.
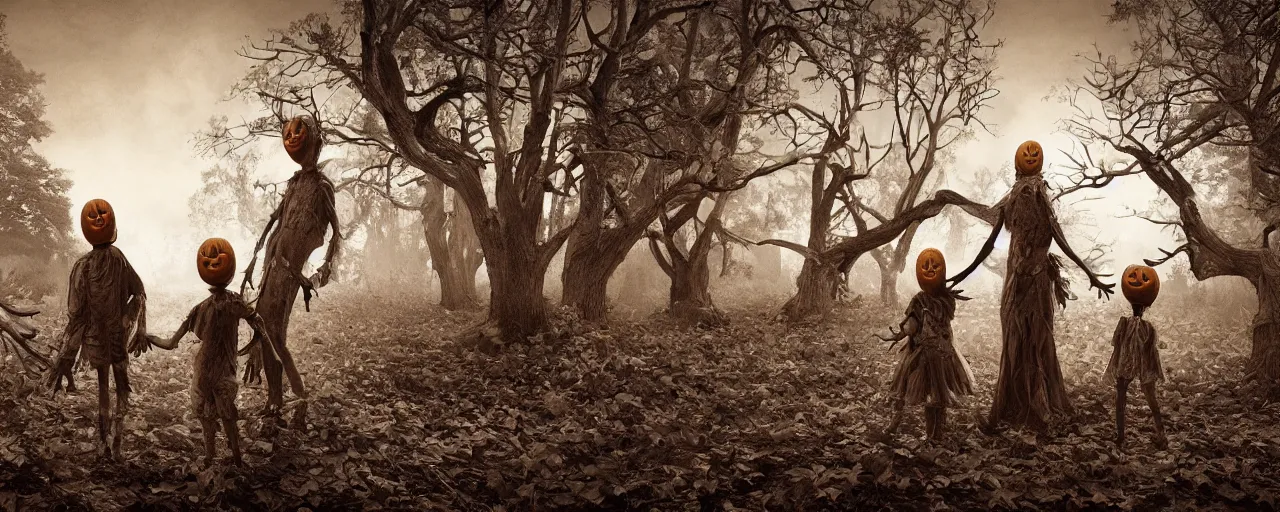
[[931, 371], [215, 322], [106, 319], [1135, 353]]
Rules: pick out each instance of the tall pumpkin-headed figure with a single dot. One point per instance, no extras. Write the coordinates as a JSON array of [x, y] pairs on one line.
[[931, 371], [106, 319], [1030, 390], [1135, 353], [305, 212], [215, 322]]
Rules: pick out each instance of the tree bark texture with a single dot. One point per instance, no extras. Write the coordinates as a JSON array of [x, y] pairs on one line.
[[590, 260], [690, 299], [594, 251], [454, 247]]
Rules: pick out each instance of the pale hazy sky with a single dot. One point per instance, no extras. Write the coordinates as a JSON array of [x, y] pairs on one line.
[[129, 82]]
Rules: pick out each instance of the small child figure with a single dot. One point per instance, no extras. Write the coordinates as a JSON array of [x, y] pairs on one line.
[[931, 371], [1136, 354], [215, 321]]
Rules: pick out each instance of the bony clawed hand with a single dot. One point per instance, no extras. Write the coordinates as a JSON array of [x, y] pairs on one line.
[[1103, 288], [323, 273]]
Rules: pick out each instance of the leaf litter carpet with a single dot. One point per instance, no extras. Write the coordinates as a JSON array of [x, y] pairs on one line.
[[643, 415]]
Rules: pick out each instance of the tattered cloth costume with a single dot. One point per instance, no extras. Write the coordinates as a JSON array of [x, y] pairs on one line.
[[1033, 283], [216, 322], [931, 371], [104, 299], [1136, 352]]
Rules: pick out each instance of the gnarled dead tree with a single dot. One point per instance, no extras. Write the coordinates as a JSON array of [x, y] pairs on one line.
[[522, 62], [657, 126], [1203, 74], [937, 93], [925, 60]]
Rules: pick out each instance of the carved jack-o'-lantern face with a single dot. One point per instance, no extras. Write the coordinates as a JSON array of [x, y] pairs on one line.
[[1029, 158], [98, 222], [301, 140], [1140, 284], [216, 262], [931, 270]]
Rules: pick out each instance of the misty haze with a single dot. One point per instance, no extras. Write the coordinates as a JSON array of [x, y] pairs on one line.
[[639, 255]]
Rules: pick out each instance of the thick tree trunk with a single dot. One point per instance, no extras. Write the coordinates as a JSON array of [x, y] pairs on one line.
[[590, 260], [690, 299], [888, 277], [454, 248], [817, 286], [516, 305], [1264, 358]]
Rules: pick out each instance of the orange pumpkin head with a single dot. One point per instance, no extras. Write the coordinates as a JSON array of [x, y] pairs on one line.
[[98, 222], [1029, 158], [216, 262], [1140, 284], [302, 140], [931, 270]]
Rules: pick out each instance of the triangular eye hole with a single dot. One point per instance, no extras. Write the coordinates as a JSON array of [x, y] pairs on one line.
[[1145, 278]]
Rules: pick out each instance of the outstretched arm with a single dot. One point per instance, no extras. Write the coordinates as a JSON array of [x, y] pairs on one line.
[[908, 327], [987, 247], [248, 271], [1061, 240], [183, 329]]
